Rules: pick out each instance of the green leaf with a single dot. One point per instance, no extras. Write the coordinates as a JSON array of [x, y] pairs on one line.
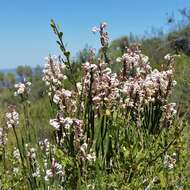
[[60, 34], [162, 179], [52, 23], [67, 54], [58, 42]]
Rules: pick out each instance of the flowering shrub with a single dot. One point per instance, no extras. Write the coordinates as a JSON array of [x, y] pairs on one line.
[[109, 128]]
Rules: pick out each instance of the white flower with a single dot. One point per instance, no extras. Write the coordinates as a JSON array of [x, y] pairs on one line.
[[167, 57], [145, 59], [56, 169], [103, 25], [56, 98], [118, 59], [96, 99], [32, 153], [61, 94], [170, 161], [49, 173], [22, 88], [54, 73], [88, 66], [54, 123], [91, 157], [79, 87], [16, 154], [28, 83], [46, 177], [12, 117], [67, 122], [3, 137], [95, 29], [83, 148], [174, 83], [36, 173], [66, 93]]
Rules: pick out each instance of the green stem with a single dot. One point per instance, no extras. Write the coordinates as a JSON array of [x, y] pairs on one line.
[[22, 159]]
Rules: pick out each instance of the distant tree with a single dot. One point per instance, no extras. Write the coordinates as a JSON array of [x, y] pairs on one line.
[[83, 55], [37, 72], [2, 79], [155, 49], [185, 13], [133, 38], [119, 45], [10, 80], [24, 72], [20, 72], [27, 71]]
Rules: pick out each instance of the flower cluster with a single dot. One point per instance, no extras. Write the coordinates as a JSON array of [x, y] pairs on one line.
[[22, 89], [12, 117], [16, 161], [135, 64], [170, 60], [54, 73], [103, 35], [56, 169], [3, 137], [16, 153], [137, 85], [170, 161], [66, 126], [63, 98], [156, 86], [102, 82], [84, 155], [169, 113], [45, 146], [141, 86], [31, 154], [33, 162]]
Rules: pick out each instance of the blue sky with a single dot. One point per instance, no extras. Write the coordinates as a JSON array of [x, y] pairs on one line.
[[26, 38]]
